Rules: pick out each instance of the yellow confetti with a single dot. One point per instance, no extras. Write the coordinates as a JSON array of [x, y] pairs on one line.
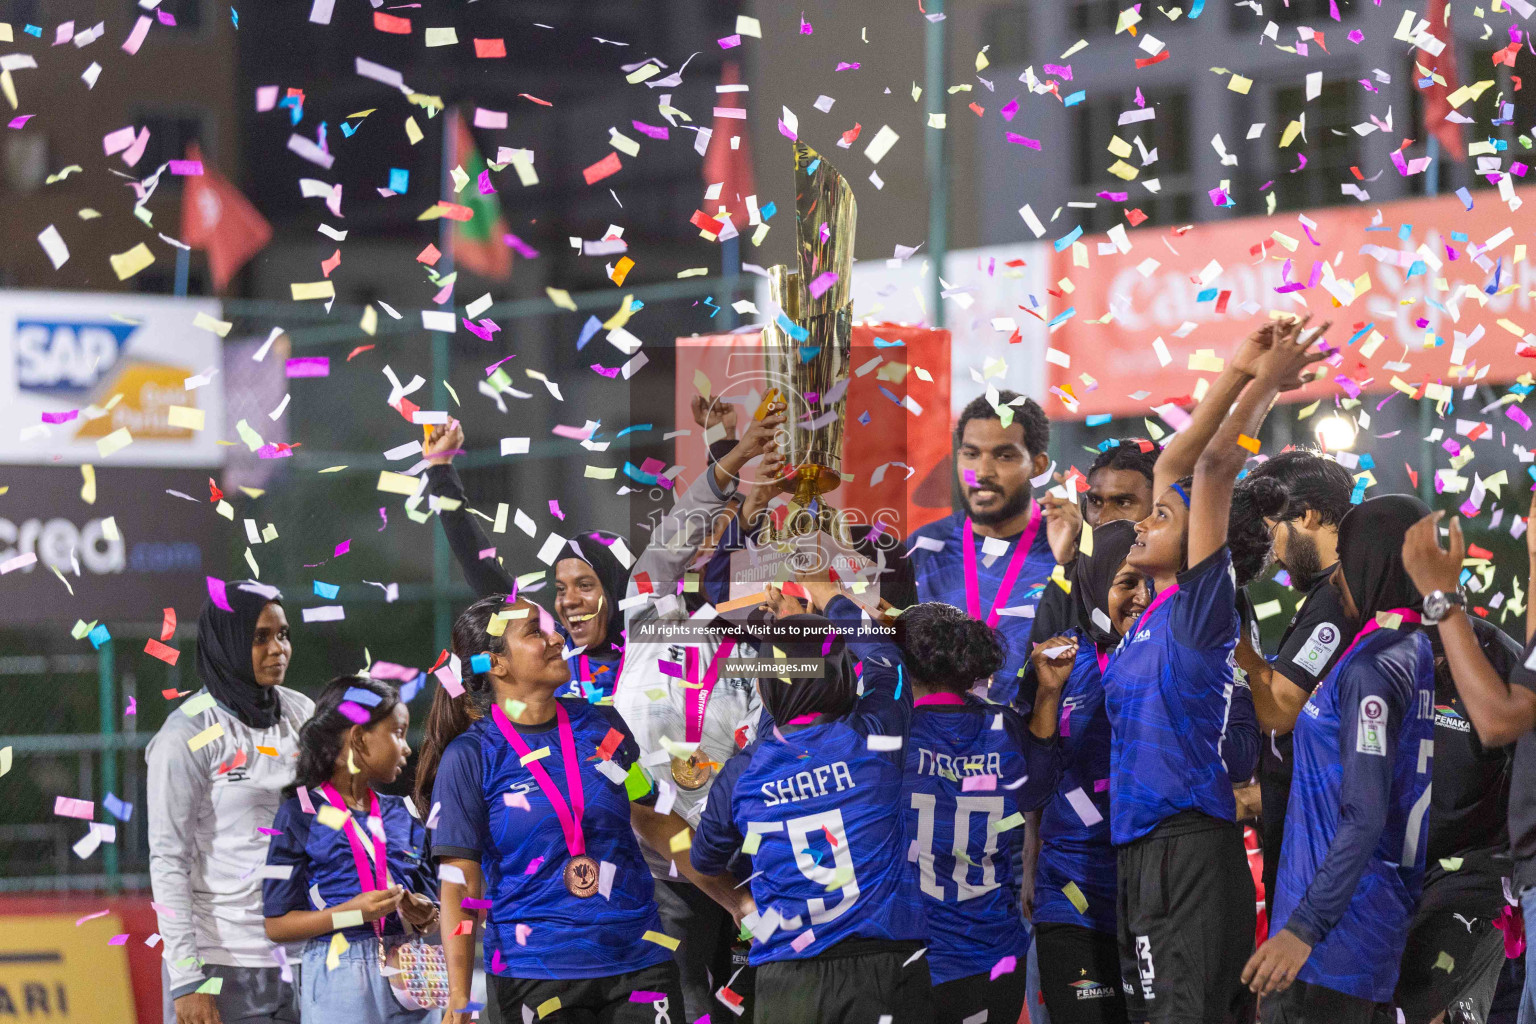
[[1073, 893], [561, 298], [88, 487], [206, 737], [126, 264], [114, 442], [313, 290], [665, 941], [552, 1004], [186, 417]]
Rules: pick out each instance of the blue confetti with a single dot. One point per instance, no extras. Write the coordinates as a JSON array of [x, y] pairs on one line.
[[634, 473], [367, 698], [864, 418], [1362, 332], [327, 590], [591, 327], [119, 809], [1366, 462], [1206, 295], [1465, 196], [1076, 98], [99, 636], [637, 428], [1063, 316], [791, 328], [480, 663], [1458, 236], [882, 343], [1358, 494], [1195, 9], [399, 180], [234, 16], [1417, 268], [808, 352], [1068, 238], [768, 210], [810, 168], [33, 30], [409, 690], [1405, 232], [1099, 420], [709, 300]]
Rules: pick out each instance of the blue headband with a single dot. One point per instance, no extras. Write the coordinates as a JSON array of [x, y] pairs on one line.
[[1182, 494]]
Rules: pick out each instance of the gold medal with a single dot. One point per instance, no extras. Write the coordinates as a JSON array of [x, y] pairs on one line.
[[581, 876], [692, 773]]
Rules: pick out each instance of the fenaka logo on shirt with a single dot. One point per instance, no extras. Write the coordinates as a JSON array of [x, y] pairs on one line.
[[1446, 717], [1090, 989], [1371, 727]]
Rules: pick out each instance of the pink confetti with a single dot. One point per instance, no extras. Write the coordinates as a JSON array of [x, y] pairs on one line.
[[534, 865], [445, 676], [91, 917], [133, 706], [342, 548], [520, 247], [554, 509], [822, 283], [1517, 414], [69, 807], [60, 417], [1010, 109], [384, 515], [309, 366], [305, 803], [978, 783], [187, 168], [217, 593], [270, 831], [802, 940], [1007, 965], [639, 996], [522, 931], [17, 122], [118, 940]]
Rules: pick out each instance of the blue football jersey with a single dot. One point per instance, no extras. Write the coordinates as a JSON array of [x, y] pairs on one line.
[[320, 860], [972, 769], [1074, 827], [828, 836], [1352, 863], [522, 851], [593, 676], [941, 577], [1169, 690]]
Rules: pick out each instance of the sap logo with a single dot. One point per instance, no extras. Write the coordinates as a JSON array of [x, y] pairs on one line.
[[67, 356]]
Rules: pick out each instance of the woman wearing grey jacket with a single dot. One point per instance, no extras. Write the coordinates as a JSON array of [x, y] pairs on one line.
[[217, 768]]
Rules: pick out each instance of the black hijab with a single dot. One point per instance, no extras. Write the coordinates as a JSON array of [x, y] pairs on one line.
[[597, 552], [1371, 554], [224, 641], [1092, 576], [833, 695]]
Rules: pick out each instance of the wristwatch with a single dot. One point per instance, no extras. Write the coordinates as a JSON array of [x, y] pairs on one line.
[[1438, 604]]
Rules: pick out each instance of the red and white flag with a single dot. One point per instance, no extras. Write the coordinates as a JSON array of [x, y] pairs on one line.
[[217, 218]]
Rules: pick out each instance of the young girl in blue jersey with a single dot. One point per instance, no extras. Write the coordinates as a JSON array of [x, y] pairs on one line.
[[531, 800], [1352, 862], [344, 852], [1185, 903], [1074, 910], [817, 804], [972, 770]]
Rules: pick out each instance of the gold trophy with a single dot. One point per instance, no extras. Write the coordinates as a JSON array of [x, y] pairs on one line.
[[807, 351]]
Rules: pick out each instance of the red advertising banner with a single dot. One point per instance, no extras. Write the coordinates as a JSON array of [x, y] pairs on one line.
[[1399, 268], [897, 412]]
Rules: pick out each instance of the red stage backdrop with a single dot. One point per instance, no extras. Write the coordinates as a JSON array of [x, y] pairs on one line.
[[890, 364], [1122, 356]]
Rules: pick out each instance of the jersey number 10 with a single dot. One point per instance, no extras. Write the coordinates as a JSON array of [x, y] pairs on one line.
[[965, 806]]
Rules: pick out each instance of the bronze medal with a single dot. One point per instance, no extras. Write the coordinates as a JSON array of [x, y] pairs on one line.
[[692, 773], [581, 876]]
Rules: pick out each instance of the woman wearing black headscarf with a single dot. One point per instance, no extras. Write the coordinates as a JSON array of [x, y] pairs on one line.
[[1074, 905], [1352, 862], [590, 576], [217, 769]]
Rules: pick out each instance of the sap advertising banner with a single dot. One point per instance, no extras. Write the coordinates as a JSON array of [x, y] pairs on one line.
[[130, 355], [157, 543]]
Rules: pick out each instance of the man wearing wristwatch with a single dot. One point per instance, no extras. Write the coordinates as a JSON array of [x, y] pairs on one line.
[[1467, 863]]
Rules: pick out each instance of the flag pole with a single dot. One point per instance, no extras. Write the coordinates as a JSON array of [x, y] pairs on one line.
[[442, 617]]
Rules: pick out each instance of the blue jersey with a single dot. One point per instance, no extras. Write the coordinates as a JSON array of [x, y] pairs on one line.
[[523, 853], [941, 577], [321, 863], [1352, 864], [1169, 691], [830, 860], [972, 768], [1074, 827]]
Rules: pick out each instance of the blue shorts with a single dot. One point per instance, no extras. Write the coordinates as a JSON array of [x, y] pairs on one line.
[[355, 991]]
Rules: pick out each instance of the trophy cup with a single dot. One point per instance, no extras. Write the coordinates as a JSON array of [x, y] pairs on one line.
[[807, 350]]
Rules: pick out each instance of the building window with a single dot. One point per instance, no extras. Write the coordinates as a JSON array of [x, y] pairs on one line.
[[1091, 16], [1330, 148], [1007, 30], [169, 137], [1168, 133], [188, 13]]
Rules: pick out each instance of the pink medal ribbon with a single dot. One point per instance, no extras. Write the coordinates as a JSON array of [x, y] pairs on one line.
[[696, 698], [1370, 627], [569, 814], [1010, 575], [938, 698], [376, 876]]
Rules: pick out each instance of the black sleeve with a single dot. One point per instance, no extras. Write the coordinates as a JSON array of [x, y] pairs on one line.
[[485, 576], [1315, 641], [1055, 614]]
